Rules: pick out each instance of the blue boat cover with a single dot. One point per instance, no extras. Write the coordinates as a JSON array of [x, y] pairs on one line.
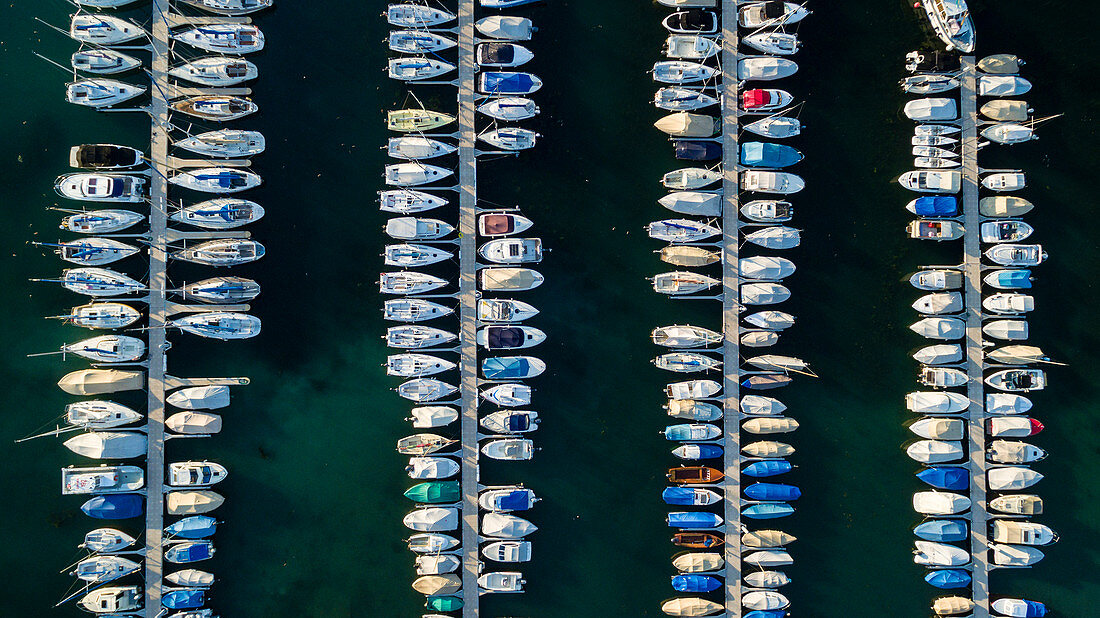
[[936, 206], [942, 530], [114, 506], [193, 552], [766, 613], [505, 367], [945, 477], [772, 491], [768, 510], [183, 599], [1019, 279], [194, 527], [948, 578], [515, 501], [703, 451], [693, 519], [678, 432], [695, 583], [692, 150], [759, 154], [770, 467], [507, 82], [678, 495], [1035, 609]]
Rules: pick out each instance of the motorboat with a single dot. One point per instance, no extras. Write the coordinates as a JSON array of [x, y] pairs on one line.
[[1019, 608], [223, 325], [698, 451], [413, 310], [943, 530], [763, 293], [936, 402], [693, 389], [929, 553], [692, 432], [504, 310], [416, 365], [951, 21], [1006, 110], [222, 252], [94, 187], [763, 268], [932, 109], [216, 107], [414, 174], [691, 21], [693, 203], [416, 16], [691, 47], [501, 581], [682, 99], [502, 224], [114, 506], [101, 30], [698, 562], [508, 551], [929, 83], [1002, 85], [108, 444], [509, 109], [435, 492], [100, 221], [951, 478], [939, 503], [697, 540], [939, 302], [1013, 452], [194, 423], [407, 201], [410, 255], [191, 578], [216, 71], [938, 230], [505, 526], [697, 150], [430, 543], [684, 336], [686, 124], [221, 290], [432, 519], [93, 251], [418, 41], [113, 599], [768, 211], [767, 468], [775, 237], [502, 55], [768, 449], [946, 329], [511, 422], [1017, 355], [99, 415], [939, 354], [688, 179], [195, 473], [758, 405], [690, 606], [694, 475], [232, 39], [219, 213], [767, 579], [1004, 181], [106, 157], [431, 467], [1009, 279], [512, 367], [427, 417], [1021, 532], [935, 451], [225, 143], [416, 120], [106, 541], [783, 183], [764, 600], [509, 337], [693, 410], [408, 282], [695, 583], [98, 382], [772, 42], [211, 397], [682, 72], [1012, 478], [101, 479], [1005, 231], [690, 496], [693, 520], [510, 138], [501, 279], [771, 13], [1009, 133], [768, 558], [506, 28], [952, 606], [1014, 555], [415, 228], [1018, 380], [507, 499], [766, 155], [413, 336], [1017, 504], [935, 428], [1016, 254], [410, 69], [765, 68], [230, 8], [932, 181], [1011, 330], [416, 148]]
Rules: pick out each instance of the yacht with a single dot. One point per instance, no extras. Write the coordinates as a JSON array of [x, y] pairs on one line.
[[772, 42], [413, 310], [222, 290], [506, 28], [107, 349], [91, 187], [406, 201], [691, 47], [105, 157], [215, 107], [682, 72], [222, 252], [418, 42], [99, 415], [508, 395], [99, 282], [222, 325], [230, 8], [225, 143], [219, 214], [233, 39], [681, 230], [414, 174], [410, 255], [94, 251], [415, 336], [502, 55], [216, 71], [931, 181], [682, 99], [509, 109], [411, 69], [503, 310], [99, 92], [409, 283], [422, 390], [415, 148], [757, 15], [106, 541], [101, 221], [416, 16], [412, 228], [682, 282], [416, 120], [929, 83], [690, 178], [98, 30], [509, 337], [951, 21], [778, 127], [510, 138]]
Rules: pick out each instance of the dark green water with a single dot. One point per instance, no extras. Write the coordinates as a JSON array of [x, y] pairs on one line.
[[313, 518]]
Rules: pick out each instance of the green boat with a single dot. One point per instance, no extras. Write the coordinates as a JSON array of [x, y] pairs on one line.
[[434, 492], [444, 604]]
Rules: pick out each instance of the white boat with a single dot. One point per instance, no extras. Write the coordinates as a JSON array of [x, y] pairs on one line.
[[1017, 608], [102, 479], [418, 41], [414, 148], [506, 28], [1006, 403], [692, 432], [681, 230], [216, 71], [765, 267], [416, 365], [936, 280], [410, 255], [501, 279], [101, 569], [107, 348], [113, 599], [406, 201], [1005, 231], [432, 467], [682, 72], [426, 417], [509, 109], [764, 600], [775, 237], [684, 336], [932, 109], [411, 69], [99, 415], [1016, 255], [758, 405], [940, 354], [510, 138], [770, 320], [693, 389], [102, 315], [230, 7], [693, 203], [94, 251], [425, 389], [436, 565], [687, 4], [1011, 330], [99, 282], [934, 152], [413, 310], [1012, 478], [767, 579], [933, 428], [935, 163], [509, 337], [932, 181], [98, 29], [775, 126], [691, 47], [1009, 133], [682, 99], [431, 543], [101, 221], [768, 211], [195, 473], [939, 302], [509, 449], [1002, 85], [191, 578], [223, 325], [935, 130], [504, 526], [502, 55], [933, 140], [693, 410], [432, 519], [691, 22], [503, 310], [508, 395], [765, 68], [1011, 452], [940, 554], [929, 83], [413, 228], [1006, 110], [1018, 380], [200, 397], [225, 143], [414, 336], [508, 551], [770, 13], [946, 329], [1005, 181], [502, 224], [783, 183], [416, 16], [1022, 532], [233, 39], [108, 444], [935, 451], [768, 558], [409, 283], [935, 229], [688, 179], [216, 179], [772, 42], [93, 187], [221, 290], [220, 213], [413, 174], [103, 61], [1014, 555], [1017, 504], [951, 21], [932, 402], [506, 499], [682, 282], [222, 252]]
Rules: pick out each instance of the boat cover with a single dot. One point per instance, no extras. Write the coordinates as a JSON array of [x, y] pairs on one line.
[[678, 495], [695, 583], [767, 510], [698, 451], [767, 468], [1019, 279], [944, 530], [517, 500], [506, 367], [509, 278], [508, 82], [690, 150], [200, 398], [114, 506], [937, 206], [693, 519], [945, 477], [1020, 608], [191, 552], [772, 491], [948, 578], [497, 224], [183, 599], [758, 154], [196, 527], [757, 97], [505, 337]]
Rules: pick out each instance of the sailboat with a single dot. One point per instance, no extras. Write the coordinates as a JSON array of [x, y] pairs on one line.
[[225, 143], [234, 39]]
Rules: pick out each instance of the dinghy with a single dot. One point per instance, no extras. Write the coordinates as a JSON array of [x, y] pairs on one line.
[[939, 503], [932, 109], [502, 224], [106, 541], [693, 203], [113, 599], [1002, 85], [929, 83], [695, 583], [691, 22], [1011, 330], [952, 606], [502, 581], [694, 475], [766, 268], [1018, 504], [768, 558], [764, 600], [508, 395], [698, 562], [108, 445], [943, 530], [690, 606], [194, 527], [768, 449], [689, 496], [191, 578], [434, 492], [430, 543], [1012, 279], [686, 124], [684, 336], [936, 402], [1009, 133], [1005, 403], [682, 282], [682, 255], [225, 143], [954, 478], [941, 354], [200, 398], [693, 389], [692, 432], [1014, 555], [763, 293], [775, 237], [1006, 110], [504, 526], [693, 520], [191, 503], [946, 329], [691, 47], [767, 468], [759, 154], [1018, 355], [693, 410], [939, 428]]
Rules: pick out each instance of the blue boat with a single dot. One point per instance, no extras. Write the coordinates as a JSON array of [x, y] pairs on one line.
[[936, 206], [678, 495], [759, 154], [766, 613], [194, 527], [946, 477], [695, 452], [692, 431], [694, 150], [693, 520], [507, 83], [1012, 279], [947, 579], [183, 599], [943, 530], [512, 367], [772, 491], [1020, 607], [189, 551], [114, 506], [767, 510], [695, 583], [771, 467]]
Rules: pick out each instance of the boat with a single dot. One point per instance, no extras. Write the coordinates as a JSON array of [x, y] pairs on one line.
[[942, 377], [411, 69], [108, 444], [766, 268], [768, 558], [1012, 330], [416, 16], [193, 578], [775, 237], [1022, 532], [693, 520], [512, 251], [100, 221], [509, 109], [687, 179], [431, 467], [194, 423], [506, 499], [1014, 555], [691, 47], [1006, 110], [508, 395], [508, 551], [690, 606], [939, 303], [107, 348], [697, 540], [416, 365], [691, 496], [193, 527], [778, 127], [502, 224], [1018, 504], [682, 99], [1010, 254], [1005, 403], [113, 599], [225, 143], [1002, 85], [934, 428], [412, 255], [216, 71], [99, 282], [1004, 181], [939, 503], [502, 55], [691, 21], [98, 415], [215, 107], [936, 162], [783, 183], [1012, 478], [929, 553], [444, 604], [697, 452], [757, 405], [230, 8], [409, 283], [416, 120], [684, 336], [93, 251], [1018, 355], [233, 39], [946, 329], [221, 213], [767, 468], [932, 109], [223, 325], [101, 30], [1010, 279], [1018, 380], [512, 367], [505, 526], [682, 72], [92, 187], [770, 320], [108, 157], [682, 255], [432, 519], [693, 410], [765, 68], [772, 492], [509, 449], [186, 552], [686, 124], [927, 402], [929, 83], [938, 230], [501, 581], [506, 28], [509, 279], [935, 451], [934, 152], [693, 389], [698, 562], [766, 579], [694, 475], [1012, 452], [695, 583], [413, 310], [106, 541], [768, 211], [414, 228], [772, 42], [692, 432], [764, 600], [509, 337], [952, 606], [762, 155], [221, 290], [511, 422], [1019, 608], [948, 579], [767, 449], [114, 506], [430, 543], [195, 473], [425, 389], [1005, 232], [952, 478], [434, 492], [686, 362], [682, 282], [216, 180], [697, 150], [504, 310], [416, 148], [771, 13], [1009, 133], [102, 315], [418, 41], [951, 21]]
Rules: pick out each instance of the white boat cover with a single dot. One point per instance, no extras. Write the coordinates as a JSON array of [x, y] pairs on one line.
[[932, 109], [192, 502], [757, 405], [1012, 478], [698, 562], [939, 428], [764, 600], [1014, 555], [939, 554], [432, 519], [934, 451], [933, 402], [939, 503], [768, 558], [1006, 403], [506, 526], [200, 398], [431, 467], [1002, 85], [1021, 532]]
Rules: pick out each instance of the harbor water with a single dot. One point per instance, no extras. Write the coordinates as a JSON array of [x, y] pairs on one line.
[[313, 515]]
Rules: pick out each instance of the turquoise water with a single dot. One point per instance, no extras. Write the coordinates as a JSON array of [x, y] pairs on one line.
[[313, 518]]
